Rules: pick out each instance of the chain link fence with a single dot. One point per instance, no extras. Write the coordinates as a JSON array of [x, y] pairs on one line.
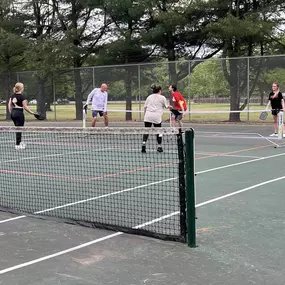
[[208, 85]]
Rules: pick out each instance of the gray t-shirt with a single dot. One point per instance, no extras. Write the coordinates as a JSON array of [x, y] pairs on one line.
[[154, 107]]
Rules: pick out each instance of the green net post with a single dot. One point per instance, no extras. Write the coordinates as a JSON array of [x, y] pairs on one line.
[[190, 188], [182, 187]]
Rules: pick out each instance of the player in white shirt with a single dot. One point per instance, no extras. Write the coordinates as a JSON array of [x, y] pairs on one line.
[[99, 99], [153, 110]]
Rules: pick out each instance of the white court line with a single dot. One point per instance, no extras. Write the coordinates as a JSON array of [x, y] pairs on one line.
[[130, 189], [239, 191], [52, 155], [90, 199], [147, 223], [38, 157], [141, 186], [239, 163], [25, 264], [12, 219], [105, 195], [58, 253]]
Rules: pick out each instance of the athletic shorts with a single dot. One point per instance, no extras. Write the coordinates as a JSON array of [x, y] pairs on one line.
[[95, 113], [177, 114], [275, 112]]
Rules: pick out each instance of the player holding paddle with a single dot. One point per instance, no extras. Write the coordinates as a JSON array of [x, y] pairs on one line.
[[179, 105], [99, 99], [153, 111], [276, 102], [17, 104]]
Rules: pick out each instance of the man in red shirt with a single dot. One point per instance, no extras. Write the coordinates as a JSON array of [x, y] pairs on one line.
[[179, 106]]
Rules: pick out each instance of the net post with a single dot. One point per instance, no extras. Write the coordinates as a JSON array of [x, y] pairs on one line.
[[182, 187], [190, 188]]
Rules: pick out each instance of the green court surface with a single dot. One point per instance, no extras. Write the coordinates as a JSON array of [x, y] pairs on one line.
[[240, 195], [239, 207]]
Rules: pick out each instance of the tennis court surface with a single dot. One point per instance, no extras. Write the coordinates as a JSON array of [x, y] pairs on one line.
[[239, 208]]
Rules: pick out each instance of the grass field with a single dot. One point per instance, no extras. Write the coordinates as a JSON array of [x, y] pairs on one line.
[[117, 113]]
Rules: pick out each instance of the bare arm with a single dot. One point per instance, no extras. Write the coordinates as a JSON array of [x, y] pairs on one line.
[[25, 106], [283, 105], [267, 106], [145, 104], [10, 107], [166, 105]]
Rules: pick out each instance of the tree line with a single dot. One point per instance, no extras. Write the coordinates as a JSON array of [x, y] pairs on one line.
[[49, 37]]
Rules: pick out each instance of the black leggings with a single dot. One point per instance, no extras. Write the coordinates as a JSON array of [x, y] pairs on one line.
[[17, 115], [158, 137]]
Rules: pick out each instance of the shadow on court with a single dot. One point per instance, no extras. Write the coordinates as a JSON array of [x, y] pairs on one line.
[[240, 229]]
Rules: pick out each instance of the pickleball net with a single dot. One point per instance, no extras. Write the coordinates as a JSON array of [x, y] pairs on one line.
[[97, 177]]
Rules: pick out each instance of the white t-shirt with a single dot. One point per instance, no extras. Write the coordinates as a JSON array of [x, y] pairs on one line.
[[99, 99], [154, 107]]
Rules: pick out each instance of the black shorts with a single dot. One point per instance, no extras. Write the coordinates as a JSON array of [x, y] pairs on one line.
[[177, 114], [149, 124], [275, 112]]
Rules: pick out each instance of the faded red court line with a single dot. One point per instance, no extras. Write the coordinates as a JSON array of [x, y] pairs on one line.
[[121, 172], [233, 152], [84, 179]]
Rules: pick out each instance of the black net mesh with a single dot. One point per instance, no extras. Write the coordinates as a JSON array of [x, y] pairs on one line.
[[96, 177]]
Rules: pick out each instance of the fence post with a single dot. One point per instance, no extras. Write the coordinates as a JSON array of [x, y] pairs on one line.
[[248, 98], [54, 95], [189, 92], [139, 86], [93, 77]]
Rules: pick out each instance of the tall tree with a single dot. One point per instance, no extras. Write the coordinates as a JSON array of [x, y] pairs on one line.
[[178, 28], [83, 26], [127, 47], [12, 46], [41, 55], [255, 21]]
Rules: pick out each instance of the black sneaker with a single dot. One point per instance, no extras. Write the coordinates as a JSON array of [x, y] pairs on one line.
[[143, 149], [159, 149]]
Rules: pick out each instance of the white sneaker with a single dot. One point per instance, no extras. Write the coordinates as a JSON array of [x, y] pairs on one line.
[[274, 135], [20, 146], [283, 135]]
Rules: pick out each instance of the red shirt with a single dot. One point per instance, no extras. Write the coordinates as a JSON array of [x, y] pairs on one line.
[[176, 98]]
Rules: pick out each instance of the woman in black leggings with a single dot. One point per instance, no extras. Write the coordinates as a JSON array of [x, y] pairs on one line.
[[153, 110], [17, 104]]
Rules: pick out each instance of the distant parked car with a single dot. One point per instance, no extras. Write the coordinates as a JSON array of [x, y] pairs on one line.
[[34, 101], [62, 101], [3, 102]]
